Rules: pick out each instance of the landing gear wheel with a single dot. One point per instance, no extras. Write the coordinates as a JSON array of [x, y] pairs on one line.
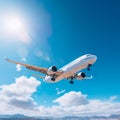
[[88, 68], [53, 79], [71, 82]]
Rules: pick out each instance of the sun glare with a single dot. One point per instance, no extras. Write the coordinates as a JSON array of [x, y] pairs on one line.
[[15, 27]]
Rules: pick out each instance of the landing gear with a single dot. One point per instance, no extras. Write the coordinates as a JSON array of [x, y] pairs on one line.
[[71, 82], [88, 67]]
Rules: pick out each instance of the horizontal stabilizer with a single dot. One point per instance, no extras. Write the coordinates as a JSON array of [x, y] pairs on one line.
[[35, 75], [89, 77]]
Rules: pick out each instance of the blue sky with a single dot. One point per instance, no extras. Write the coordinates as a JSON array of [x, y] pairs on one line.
[[55, 32]]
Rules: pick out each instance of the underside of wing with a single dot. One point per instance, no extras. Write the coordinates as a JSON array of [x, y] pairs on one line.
[[59, 72], [31, 67], [35, 68]]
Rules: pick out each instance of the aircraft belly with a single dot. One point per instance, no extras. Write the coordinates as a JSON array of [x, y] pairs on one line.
[[70, 72], [60, 77], [74, 69]]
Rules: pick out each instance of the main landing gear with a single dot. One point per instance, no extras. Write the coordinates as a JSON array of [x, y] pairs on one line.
[[71, 81]]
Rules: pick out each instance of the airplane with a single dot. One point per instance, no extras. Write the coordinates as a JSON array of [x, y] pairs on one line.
[[69, 71]]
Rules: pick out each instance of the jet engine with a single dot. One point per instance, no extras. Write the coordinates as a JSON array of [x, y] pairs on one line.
[[51, 70], [49, 79], [80, 75]]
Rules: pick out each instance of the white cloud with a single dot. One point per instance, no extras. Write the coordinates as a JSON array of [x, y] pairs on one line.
[[93, 107], [59, 91], [18, 67], [112, 98], [77, 104], [16, 98], [18, 94], [72, 99]]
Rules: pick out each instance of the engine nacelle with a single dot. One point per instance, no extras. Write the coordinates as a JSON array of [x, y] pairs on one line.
[[51, 70], [80, 75], [49, 79]]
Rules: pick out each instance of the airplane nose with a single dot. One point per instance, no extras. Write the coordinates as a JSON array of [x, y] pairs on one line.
[[94, 57]]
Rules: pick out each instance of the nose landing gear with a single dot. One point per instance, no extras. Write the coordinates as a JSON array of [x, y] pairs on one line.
[[88, 67]]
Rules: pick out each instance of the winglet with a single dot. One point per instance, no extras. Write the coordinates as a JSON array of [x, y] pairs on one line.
[[13, 61], [7, 59], [10, 60]]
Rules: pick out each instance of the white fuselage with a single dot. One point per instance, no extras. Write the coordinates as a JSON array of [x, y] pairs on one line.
[[72, 68]]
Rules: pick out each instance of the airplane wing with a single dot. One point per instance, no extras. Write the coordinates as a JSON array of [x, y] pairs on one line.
[[31, 67], [35, 68]]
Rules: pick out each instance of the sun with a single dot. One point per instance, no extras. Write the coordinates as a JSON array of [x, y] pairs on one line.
[[14, 24], [15, 27]]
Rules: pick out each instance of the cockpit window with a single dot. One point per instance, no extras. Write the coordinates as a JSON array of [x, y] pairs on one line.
[[88, 55]]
